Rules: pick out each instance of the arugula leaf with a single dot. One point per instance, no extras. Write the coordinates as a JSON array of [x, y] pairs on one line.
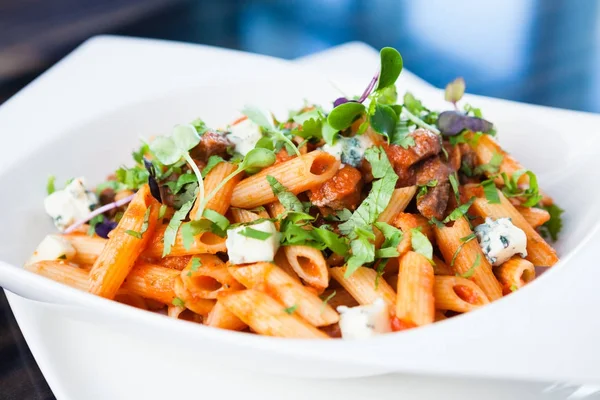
[[390, 67], [421, 244], [491, 191], [469, 273], [464, 241], [212, 162], [554, 225], [173, 227], [379, 196], [287, 199], [50, 185], [384, 120], [363, 250], [255, 233], [492, 167], [177, 302], [341, 117], [459, 211], [291, 310]]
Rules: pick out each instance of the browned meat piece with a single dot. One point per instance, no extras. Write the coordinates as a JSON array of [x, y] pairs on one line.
[[434, 202], [341, 191], [211, 143], [426, 145], [454, 156]]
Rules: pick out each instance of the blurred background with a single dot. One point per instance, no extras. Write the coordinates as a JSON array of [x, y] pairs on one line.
[[537, 51]]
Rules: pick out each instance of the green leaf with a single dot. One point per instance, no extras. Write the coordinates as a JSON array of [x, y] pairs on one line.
[[257, 159], [401, 135], [455, 90], [93, 222], [255, 233], [212, 162], [331, 240], [492, 167], [218, 219], [554, 224], [459, 211], [177, 302], [454, 183], [363, 251], [472, 111], [393, 236], [196, 263], [50, 185], [379, 196], [327, 299], [199, 125], [328, 133], [133, 233], [193, 228], [421, 244], [291, 310], [287, 199], [165, 150], [343, 116], [469, 273], [138, 155], [384, 120], [388, 95], [511, 188], [260, 117], [464, 241], [513, 288], [161, 211], [146, 221], [183, 180], [391, 66], [491, 191], [173, 227], [312, 124]]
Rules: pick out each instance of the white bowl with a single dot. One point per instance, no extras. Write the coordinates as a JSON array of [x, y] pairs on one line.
[[544, 332]]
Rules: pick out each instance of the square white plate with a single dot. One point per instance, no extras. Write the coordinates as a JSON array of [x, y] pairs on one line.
[[108, 73]]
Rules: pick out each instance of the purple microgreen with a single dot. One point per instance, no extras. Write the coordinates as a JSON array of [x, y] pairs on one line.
[[98, 211], [105, 227], [339, 101], [152, 183], [451, 123]]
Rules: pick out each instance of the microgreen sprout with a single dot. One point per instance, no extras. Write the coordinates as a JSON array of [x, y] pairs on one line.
[[260, 118]]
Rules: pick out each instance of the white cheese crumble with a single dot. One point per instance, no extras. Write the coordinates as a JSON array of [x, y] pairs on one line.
[[364, 321], [53, 247], [243, 249], [350, 150], [70, 204], [500, 240], [245, 134]]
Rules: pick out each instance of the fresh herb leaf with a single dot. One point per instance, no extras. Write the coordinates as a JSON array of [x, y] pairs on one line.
[[196, 263], [255, 234], [511, 188], [513, 288], [173, 227], [287, 199], [390, 67], [363, 250], [469, 273], [199, 125], [138, 155], [554, 225], [454, 183], [491, 191], [423, 188], [331, 240], [161, 211], [146, 221], [421, 244], [133, 233], [401, 135], [341, 117], [291, 310], [393, 236], [459, 211], [183, 180], [464, 241], [379, 196], [132, 178], [492, 167], [260, 117], [388, 95], [212, 162], [50, 185], [342, 215], [218, 219], [328, 298], [177, 302], [384, 120], [475, 112], [455, 91]]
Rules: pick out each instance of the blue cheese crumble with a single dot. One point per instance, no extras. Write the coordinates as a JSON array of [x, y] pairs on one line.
[[350, 150], [364, 321], [500, 240], [70, 204]]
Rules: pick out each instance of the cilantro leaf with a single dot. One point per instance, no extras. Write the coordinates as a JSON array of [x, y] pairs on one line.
[[492, 167], [255, 233], [421, 244], [50, 185], [490, 191], [459, 211], [173, 227], [469, 273], [363, 250], [464, 241], [379, 196], [177, 302], [212, 162], [285, 197], [138, 155], [401, 135], [291, 310], [554, 225]]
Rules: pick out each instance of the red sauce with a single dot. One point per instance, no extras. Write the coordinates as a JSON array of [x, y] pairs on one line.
[[466, 293]]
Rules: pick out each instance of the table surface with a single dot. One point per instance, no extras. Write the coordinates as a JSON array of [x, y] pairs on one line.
[[543, 52]]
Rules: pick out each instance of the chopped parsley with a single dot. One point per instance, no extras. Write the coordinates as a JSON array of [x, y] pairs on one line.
[[459, 211], [287, 199], [177, 302], [421, 244], [464, 241], [492, 167], [291, 310]]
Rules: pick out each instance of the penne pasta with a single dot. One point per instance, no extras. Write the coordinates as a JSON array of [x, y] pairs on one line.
[[194, 303], [206, 243], [122, 249], [152, 282], [466, 257], [457, 294], [62, 272], [221, 317], [309, 265], [365, 286], [287, 291], [87, 248], [414, 300], [297, 175], [206, 276], [240, 215], [339, 297], [539, 252], [400, 199], [515, 273], [221, 200], [268, 317], [536, 217]]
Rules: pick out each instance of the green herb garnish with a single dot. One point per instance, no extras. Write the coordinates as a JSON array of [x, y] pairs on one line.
[[255, 234], [50, 185], [469, 273], [291, 310], [554, 225], [177, 302], [287, 199], [421, 244]]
